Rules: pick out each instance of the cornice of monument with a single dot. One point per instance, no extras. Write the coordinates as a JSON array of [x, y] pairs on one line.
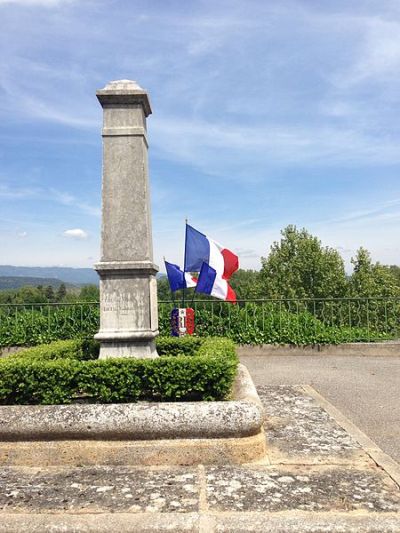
[[124, 92]]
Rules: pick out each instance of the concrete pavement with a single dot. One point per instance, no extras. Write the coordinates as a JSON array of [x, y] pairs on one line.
[[364, 389], [315, 478]]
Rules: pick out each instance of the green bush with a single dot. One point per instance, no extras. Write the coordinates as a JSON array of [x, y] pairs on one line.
[[279, 322], [191, 369], [80, 349], [36, 324], [178, 345]]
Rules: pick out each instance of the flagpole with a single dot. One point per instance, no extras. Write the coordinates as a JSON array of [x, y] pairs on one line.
[[184, 260]]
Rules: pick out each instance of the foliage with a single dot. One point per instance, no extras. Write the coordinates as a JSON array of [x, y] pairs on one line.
[[89, 293], [300, 267], [246, 284], [30, 325], [61, 293], [79, 349], [163, 290], [294, 322], [61, 372], [372, 279], [178, 346], [279, 321], [46, 294]]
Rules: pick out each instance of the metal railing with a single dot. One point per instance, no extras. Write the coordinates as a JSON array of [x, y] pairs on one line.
[[298, 321]]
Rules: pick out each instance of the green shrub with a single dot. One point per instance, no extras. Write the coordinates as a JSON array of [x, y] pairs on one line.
[[178, 345], [38, 382], [279, 322], [80, 349], [191, 369]]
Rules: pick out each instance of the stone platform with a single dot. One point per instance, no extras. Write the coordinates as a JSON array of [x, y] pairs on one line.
[[137, 434], [320, 475]]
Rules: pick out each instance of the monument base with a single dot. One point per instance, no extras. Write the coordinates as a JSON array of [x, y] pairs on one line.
[[140, 349]]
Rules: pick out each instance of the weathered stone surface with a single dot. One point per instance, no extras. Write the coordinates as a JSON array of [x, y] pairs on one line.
[[302, 488], [241, 417], [104, 523], [279, 498], [298, 430], [128, 292], [136, 453], [116, 489], [131, 421], [305, 523]]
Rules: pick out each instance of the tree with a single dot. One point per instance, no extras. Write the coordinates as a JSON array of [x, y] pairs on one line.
[[61, 292], [246, 284], [395, 270], [89, 293], [163, 290], [29, 294], [300, 267], [49, 293], [372, 279]]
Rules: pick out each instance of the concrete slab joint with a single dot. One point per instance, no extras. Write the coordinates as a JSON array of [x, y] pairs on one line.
[[128, 290]]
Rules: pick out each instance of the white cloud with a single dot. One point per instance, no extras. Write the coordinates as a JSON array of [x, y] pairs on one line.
[[16, 192], [22, 234], [210, 146], [77, 233], [66, 198], [61, 197]]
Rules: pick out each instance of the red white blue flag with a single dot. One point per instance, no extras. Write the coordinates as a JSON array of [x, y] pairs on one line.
[[210, 283], [177, 278], [215, 263], [201, 249]]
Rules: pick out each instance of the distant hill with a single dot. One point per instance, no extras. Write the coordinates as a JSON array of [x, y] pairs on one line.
[[74, 276], [16, 282]]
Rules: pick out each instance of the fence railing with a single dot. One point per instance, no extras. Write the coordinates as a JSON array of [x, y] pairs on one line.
[[297, 321]]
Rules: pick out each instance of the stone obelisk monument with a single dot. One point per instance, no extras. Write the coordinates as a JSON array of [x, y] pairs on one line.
[[128, 289]]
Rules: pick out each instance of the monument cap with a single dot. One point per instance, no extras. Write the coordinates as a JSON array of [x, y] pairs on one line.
[[124, 92]]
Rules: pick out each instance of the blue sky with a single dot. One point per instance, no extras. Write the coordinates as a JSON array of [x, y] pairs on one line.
[[264, 114]]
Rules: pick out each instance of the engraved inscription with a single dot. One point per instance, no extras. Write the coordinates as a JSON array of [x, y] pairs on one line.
[[120, 303]]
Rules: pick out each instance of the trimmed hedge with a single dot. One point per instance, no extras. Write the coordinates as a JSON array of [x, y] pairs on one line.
[[80, 349], [190, 369]]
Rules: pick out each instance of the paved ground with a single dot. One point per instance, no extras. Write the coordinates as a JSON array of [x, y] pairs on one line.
[[315, 479], [365, 389]]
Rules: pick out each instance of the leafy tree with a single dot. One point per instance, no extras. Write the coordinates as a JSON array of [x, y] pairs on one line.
[[29, 295], [372, 279], [49, 293], [246, 284], [300, 267], [61, 292], [163, 290], [89, 293], [395, 270]]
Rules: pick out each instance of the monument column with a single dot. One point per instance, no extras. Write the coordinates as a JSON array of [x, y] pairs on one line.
[[128, 289]]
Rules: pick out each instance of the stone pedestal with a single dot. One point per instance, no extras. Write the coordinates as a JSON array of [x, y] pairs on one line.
[[128, 290]]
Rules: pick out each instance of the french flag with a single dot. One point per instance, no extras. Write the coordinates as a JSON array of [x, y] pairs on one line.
[[201, 249], [177, 278], [215, 263], [210, 283]]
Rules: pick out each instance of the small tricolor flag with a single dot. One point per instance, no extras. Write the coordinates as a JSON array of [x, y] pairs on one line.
[[177, 278], [210, 283]]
